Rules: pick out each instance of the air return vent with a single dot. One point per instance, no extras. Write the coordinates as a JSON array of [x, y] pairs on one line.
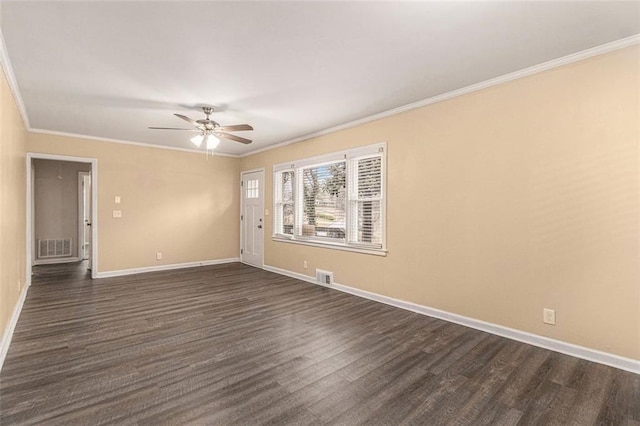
[[324, 277], [60, 247]]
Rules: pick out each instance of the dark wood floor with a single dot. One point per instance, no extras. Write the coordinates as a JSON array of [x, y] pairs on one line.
[[231, 344]]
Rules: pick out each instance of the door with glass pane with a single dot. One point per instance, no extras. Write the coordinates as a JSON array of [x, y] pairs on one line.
[[251, 219]]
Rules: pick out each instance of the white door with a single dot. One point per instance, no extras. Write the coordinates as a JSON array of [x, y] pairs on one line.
[[84, 219], [87, 216], [251, 219]]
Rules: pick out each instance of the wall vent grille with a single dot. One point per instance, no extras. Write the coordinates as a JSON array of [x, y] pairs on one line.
[[324, 277], [60, 247]]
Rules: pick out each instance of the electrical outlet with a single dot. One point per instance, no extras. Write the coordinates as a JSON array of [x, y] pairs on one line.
[[549, 316], [159, 255], [304, 264], [117, 213]]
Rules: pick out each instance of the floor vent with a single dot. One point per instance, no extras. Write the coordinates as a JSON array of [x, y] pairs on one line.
[[324, 277], [60, 247]]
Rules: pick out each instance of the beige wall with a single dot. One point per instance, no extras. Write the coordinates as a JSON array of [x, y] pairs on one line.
[[500, 203], [12, 204], [182, 204], [505, 201], [56, 200]]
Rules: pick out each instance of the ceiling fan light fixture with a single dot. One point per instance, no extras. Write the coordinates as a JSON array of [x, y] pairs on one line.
[[197, 140], [212, 142]]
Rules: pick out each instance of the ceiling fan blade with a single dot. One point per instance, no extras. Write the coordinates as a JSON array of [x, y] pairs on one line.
[[173, 128], [233, 137], [190, 121], [236, 128]]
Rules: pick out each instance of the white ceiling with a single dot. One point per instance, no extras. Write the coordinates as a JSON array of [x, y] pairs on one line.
[[110, 69]]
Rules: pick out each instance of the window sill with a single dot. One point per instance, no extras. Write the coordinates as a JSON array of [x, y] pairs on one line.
[[374, 252]]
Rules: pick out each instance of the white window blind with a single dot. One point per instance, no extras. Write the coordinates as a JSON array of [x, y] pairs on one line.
[[337, 199], [365, 199], [284, 204]]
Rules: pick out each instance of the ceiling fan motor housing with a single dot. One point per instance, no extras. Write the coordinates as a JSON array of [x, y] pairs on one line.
[[208, 124]]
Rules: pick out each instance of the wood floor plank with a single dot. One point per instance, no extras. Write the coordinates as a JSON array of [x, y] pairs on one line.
[[232, 344]]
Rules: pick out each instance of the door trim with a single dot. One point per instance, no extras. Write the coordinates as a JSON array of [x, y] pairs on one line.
[[264, 222], [30, 206]]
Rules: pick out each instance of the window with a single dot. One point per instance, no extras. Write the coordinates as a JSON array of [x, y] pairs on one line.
[[337, 199], [253, 190]]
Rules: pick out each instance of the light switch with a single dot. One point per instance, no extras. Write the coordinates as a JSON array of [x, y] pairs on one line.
[[266, 212], [117, 199], [117, 213]]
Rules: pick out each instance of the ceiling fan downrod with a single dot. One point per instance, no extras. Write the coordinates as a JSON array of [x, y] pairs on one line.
[[207, 111]]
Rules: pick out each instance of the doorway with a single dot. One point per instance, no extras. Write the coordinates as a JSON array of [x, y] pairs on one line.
[[61, 212], [251, 218]]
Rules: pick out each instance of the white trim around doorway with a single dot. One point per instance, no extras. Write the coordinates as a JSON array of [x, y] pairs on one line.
[[94, 207]]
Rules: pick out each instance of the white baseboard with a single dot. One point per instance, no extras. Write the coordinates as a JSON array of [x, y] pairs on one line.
[[121, 272], [582, 352], [8, 332], [292, 274], [56, 260]]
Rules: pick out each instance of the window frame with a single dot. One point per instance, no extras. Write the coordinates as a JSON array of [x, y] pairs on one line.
[[348, 156]]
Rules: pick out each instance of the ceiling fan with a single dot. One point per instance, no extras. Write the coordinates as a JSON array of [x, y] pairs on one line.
[[210, 131]]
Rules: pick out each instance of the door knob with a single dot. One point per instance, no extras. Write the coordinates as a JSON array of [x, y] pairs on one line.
[[259, 226]]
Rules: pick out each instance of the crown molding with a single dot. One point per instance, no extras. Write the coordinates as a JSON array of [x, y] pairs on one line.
[[124, 142], [525, 72], [7, 68]]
